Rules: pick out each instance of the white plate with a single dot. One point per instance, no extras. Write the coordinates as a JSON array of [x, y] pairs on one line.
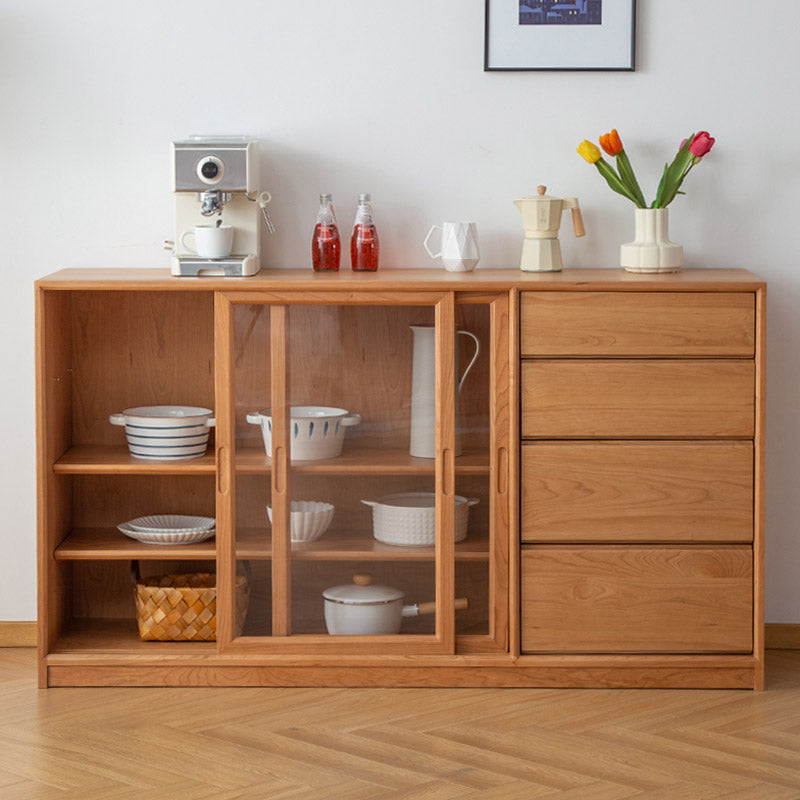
[[166, 537], [171, 523]]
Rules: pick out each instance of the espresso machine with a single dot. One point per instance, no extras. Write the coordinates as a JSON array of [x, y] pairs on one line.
[[215, 181]]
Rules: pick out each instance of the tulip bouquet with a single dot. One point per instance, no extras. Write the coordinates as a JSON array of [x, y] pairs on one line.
[[623, 180]]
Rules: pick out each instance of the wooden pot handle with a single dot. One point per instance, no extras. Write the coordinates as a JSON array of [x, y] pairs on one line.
[[461, 604]]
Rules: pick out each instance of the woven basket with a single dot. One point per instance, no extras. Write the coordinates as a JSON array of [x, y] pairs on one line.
[[183, 608]]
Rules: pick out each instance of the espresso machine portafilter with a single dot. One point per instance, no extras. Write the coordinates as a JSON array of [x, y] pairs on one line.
[[215, 181]]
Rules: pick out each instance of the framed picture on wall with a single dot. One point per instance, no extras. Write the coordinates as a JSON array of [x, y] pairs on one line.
[[554, 35]]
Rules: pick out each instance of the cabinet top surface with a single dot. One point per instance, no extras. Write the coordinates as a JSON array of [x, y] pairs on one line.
[[400, 280]]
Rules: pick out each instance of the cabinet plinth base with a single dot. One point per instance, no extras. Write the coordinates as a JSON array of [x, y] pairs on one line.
[[726, 672]]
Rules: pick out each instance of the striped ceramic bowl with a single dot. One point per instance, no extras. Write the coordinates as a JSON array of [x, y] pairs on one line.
[[166, 433]]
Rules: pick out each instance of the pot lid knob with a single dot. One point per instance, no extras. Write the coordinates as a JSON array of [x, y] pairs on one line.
[[362, 579], [541, 189]]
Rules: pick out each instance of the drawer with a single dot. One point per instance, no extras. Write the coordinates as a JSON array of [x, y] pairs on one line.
[[638, 324], [638, 399], [635, 599], [637, 492]]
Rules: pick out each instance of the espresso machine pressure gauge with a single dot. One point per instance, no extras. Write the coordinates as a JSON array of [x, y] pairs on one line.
[[218, 206]]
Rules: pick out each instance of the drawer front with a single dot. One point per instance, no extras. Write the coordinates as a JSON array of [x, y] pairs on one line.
[[637, 492], [630, 399], [638, 324], [636, 599]]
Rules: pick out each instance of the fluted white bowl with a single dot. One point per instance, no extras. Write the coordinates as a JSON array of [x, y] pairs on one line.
[[310, 519]]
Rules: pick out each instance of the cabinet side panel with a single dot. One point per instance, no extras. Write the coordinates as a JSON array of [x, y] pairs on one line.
[[759, 499], [54, 385]]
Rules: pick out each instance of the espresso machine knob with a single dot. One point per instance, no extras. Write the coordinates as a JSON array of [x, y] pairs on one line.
[[210, 169]]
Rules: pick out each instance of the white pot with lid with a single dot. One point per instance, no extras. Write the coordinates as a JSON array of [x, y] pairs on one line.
[[408, 519], [363, 609]]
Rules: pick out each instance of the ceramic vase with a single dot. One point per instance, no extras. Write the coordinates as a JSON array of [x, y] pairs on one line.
[[651, 250]]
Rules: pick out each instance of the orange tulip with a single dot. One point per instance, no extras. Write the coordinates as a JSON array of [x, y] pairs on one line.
[[610, 142]]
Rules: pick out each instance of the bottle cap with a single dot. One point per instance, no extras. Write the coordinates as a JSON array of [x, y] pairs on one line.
[[364, 198], [325, 198]]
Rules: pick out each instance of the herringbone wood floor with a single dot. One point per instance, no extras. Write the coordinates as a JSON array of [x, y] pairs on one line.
[[432, 744]]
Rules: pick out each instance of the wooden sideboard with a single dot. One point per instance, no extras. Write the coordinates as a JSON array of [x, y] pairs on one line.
[[611, 431]]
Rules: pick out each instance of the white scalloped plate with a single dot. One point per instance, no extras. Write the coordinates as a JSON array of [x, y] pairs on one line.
[[166, 537], [171, 523]]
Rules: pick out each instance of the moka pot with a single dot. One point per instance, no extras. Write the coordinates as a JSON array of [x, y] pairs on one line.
[[541, 218]]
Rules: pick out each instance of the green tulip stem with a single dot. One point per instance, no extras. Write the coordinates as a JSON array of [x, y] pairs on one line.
[[614, 181], [628, 177]]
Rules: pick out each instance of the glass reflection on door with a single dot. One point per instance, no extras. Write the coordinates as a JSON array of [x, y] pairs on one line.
[[350, 390]]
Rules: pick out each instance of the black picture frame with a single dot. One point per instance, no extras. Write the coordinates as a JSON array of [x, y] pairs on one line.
[[511, 46]]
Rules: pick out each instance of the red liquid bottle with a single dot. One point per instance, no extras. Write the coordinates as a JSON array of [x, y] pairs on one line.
[[364, 245], [326, 246]]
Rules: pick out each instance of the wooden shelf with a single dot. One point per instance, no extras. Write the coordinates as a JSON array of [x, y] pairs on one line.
[[114, 459], [255, 543], [97, 544], [93, 544], [365, 461], [97, 636], [90, 459]]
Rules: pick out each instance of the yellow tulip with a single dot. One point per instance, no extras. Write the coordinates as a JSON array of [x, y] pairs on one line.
[[589, 151]]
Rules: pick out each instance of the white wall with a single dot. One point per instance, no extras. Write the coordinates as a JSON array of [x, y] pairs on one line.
[[386, 97]]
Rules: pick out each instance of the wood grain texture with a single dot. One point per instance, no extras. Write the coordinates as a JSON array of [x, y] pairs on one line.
[[224, 483], [759, 478], [446, 382], [637, 491], [623, 399], [280, 280], [650, 324], [362, 744], [91, 544], [111, 334], [54, 504], [18, 634], [281, 372], [130, 349], [782, 636], [502, 500], [609, 599]]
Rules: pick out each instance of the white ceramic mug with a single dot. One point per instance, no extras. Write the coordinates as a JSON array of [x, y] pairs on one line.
[[459, 249], [210, 241]]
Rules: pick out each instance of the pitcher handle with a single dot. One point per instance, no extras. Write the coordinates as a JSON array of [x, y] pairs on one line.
[[425, 243], [474, 357]]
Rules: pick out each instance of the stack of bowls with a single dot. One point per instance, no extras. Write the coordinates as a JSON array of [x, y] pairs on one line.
[[167, 433]]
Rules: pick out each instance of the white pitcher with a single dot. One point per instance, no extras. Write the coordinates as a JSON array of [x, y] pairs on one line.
[[423, 390]]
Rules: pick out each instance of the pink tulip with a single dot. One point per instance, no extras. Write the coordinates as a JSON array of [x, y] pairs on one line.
[[701, 144]]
